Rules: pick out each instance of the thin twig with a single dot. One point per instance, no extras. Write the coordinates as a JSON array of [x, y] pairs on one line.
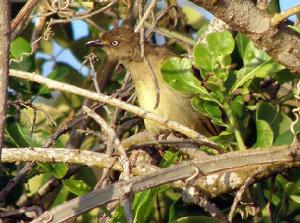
[[46, 35], [154, 79], [37, 210], [23, 14], [38, 27], [171, 34], [277, 18], [140, 25], [83, 15], [124, 161], [211, 208], [109, 147], [156, 19], [238, 196], [296, 113], [147, 63], [90, 58], [112, 135]]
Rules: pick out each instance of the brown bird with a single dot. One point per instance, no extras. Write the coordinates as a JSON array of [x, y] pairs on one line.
[[124, 45]]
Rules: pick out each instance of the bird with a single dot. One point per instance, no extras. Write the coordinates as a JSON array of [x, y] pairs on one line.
[[123, 44]]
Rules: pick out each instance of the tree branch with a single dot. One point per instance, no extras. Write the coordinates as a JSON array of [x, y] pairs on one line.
[[223, 167], [219, 174], [58, 155]]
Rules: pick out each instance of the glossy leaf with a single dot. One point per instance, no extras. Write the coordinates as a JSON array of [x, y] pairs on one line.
[[295, 198], [225, 138], [287, 137], [143, 205], [20, 47], [238, 108], [284, 76], [178, 74], [21, 135], [58, 170], [208, 108], [203, 58], [274, 6], [192, 219], [278, 121], [257, 68], [246, 48], [290, 188], [77, 187], [264, 134], [220, 43], [119, 215]]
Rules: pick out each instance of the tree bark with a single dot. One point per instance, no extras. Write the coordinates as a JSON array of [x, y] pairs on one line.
[[4, 63]]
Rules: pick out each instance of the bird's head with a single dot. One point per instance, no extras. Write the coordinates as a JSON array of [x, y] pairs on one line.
[[119, 43]]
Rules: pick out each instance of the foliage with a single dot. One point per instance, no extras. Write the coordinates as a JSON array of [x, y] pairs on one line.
[[246, 94]]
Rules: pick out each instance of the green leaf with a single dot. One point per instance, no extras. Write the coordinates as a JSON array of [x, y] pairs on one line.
[[256, 62], [225, 138], [246, 48], [143, 205], [202, 30], [178, 74], [118, 215], [193, 219], [281, 180], [208, 108], [279, 122], [19, 46], [16, 136], [220, 43], [20, 135], [61, 197], [295, 198], [295, 28], [290, 188], [58, 170], [238, 108], [257, 68], [264, 133], [203, 58], [284, 76], [77, 187], [274, 6], [57, 74], [287, 137], [20, 53], [169, 158]]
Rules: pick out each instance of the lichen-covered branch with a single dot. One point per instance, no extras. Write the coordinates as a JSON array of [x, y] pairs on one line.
[[226, 169]]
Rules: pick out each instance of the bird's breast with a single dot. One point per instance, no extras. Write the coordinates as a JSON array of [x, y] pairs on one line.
[[173, 104]]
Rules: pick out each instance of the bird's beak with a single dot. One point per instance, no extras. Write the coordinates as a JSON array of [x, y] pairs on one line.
[[96, 42]]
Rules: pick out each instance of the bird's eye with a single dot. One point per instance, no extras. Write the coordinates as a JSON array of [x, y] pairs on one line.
[[114, 43]]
